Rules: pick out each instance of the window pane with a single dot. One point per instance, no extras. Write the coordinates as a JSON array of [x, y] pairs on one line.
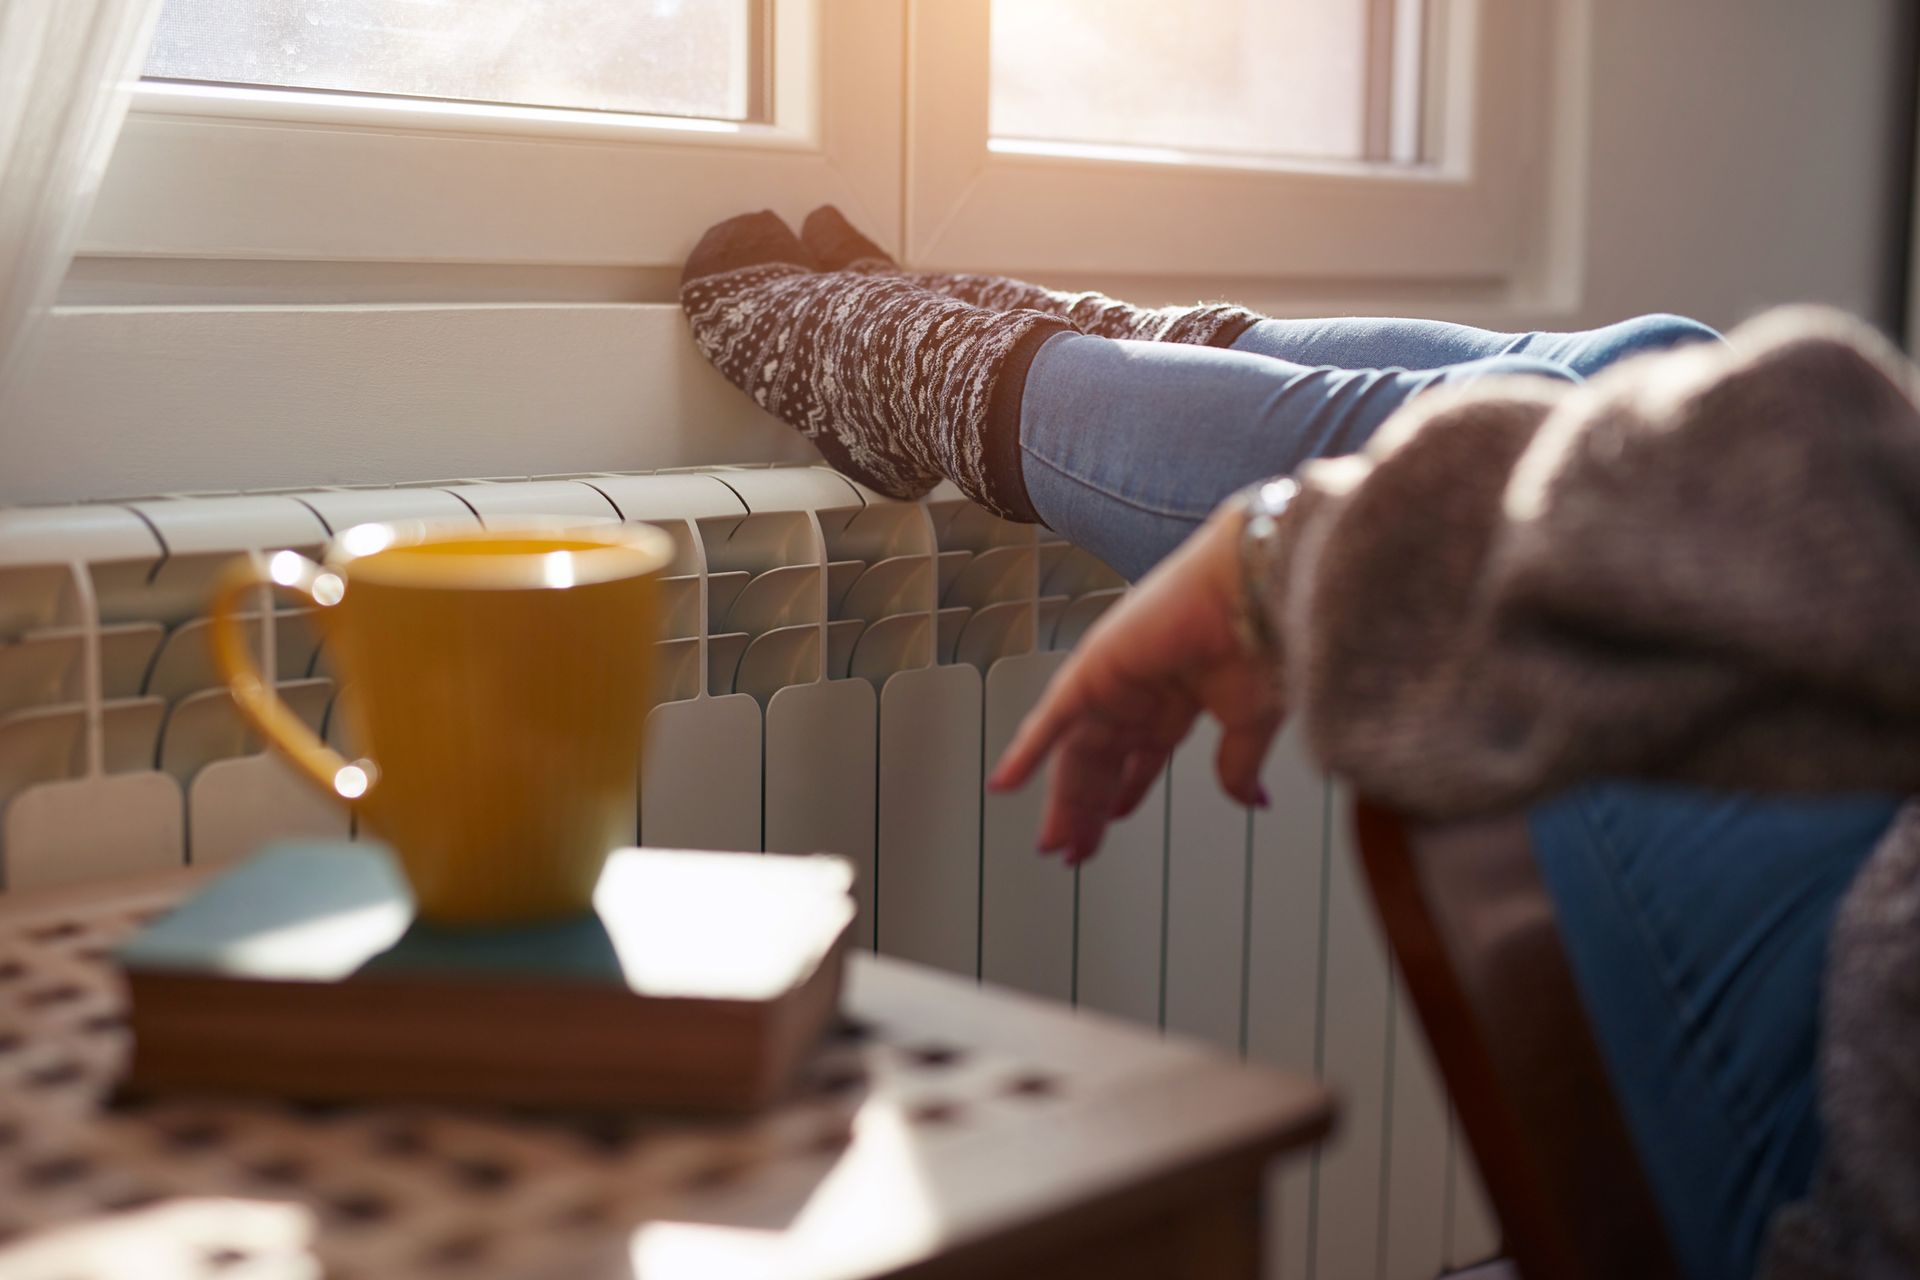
[[664, 57], [1282, 78]]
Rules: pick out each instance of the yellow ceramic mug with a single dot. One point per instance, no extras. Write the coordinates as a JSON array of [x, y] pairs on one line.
[[498, 681]]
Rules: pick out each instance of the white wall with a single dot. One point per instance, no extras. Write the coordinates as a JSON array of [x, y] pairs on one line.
[[126, 401], [1745, 153]]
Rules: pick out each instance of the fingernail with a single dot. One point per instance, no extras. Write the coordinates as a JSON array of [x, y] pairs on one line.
[[1261, 800]]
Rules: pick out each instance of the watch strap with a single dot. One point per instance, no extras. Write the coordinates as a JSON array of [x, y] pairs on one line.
[[1264, 506]]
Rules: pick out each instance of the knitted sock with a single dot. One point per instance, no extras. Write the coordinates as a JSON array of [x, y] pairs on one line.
[[896, 386], [838, 247]]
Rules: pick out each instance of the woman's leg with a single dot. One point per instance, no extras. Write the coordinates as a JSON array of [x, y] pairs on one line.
[[1696, 925], [1126, 446], [1359, 343], [1350, 343]]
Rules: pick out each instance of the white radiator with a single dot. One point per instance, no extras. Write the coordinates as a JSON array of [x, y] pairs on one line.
[[837, 670]]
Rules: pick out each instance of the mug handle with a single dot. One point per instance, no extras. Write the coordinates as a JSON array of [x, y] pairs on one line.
[[345, 780]]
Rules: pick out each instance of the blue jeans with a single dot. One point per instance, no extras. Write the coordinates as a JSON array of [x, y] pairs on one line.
[[1697, 928], [1695, 923], [1126, 446]]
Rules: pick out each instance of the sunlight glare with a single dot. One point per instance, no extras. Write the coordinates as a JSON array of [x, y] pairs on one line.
[[556, 568], [285, 567], [365, 539], [169, 1240], [351, 782], [328, 590], [307, 949], [871, 1212], [663, 933]]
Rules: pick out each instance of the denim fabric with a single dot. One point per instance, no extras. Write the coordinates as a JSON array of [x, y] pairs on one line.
[[1126, 446], [1429, 344], [1697, 927]]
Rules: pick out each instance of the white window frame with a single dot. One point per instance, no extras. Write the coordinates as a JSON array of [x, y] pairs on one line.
[[353, 292], [332, 177], [900, 143], [1471, 216]]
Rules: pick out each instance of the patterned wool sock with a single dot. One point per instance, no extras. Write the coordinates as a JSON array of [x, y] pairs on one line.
[[896, 386], [838, 247]]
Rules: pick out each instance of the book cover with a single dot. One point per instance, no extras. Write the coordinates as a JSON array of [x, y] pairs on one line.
[[698, 980]]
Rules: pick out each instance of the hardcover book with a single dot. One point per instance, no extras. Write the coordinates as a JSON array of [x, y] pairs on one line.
[[699, 981]]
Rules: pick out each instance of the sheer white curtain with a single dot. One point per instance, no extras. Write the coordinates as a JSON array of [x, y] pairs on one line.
[[66, 67]]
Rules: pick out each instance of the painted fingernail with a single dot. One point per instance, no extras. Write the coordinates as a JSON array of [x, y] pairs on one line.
[[1261, 800]]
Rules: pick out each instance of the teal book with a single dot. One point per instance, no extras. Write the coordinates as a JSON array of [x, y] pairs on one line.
[[698, 981]]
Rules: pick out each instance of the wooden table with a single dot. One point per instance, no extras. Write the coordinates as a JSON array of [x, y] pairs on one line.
[[945, 1130]]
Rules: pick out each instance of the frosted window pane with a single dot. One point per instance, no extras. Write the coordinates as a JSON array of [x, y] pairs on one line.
[[665, 57], [1258, 77]]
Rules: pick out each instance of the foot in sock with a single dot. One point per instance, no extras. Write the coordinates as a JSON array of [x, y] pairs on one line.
[[897, 387], [837, 246]]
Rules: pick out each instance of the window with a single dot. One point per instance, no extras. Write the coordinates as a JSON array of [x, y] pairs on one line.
[[1262, 143], [525, 133], [699, 58], [1248, 79], [1105, 143]]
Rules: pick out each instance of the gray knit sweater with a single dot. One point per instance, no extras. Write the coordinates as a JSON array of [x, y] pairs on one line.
[[1704, 567]]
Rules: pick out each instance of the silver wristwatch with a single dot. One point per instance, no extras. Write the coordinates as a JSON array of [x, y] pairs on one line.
[[1263, 506]]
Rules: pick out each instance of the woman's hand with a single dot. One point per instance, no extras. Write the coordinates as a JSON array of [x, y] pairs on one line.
[[1168, 651]]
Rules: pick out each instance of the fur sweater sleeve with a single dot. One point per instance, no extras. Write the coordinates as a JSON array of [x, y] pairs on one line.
[[1703, 566]]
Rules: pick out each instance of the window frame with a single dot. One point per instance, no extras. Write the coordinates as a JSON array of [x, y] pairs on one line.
[[881, 107], [1469, 217], [322, 305], [320, 177]]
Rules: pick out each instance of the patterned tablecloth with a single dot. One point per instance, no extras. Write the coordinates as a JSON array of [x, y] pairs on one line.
[[941, 1122]]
